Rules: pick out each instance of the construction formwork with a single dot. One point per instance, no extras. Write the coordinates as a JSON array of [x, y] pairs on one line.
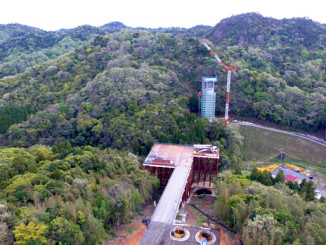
[[188, 186], [163, 159], [161, 172], [204, 170], [205, 164], [203, 161]]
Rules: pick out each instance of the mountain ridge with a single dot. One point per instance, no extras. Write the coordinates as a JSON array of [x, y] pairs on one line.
[[280, 83]]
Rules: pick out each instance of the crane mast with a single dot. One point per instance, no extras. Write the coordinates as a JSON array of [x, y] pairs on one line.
[[228, 82]]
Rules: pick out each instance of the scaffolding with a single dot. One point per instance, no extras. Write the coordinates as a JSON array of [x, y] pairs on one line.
[[208, 99]]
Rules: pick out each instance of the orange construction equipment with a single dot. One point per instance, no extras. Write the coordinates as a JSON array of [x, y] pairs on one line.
[[294, 167], [268, 168], [178, 233]]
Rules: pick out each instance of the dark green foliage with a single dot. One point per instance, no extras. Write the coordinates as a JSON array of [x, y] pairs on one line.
[[135, 147], [83, 195], [279, 177], [22, 194], [20, 164], [268, 214], [62, 148], [194, 103], [237, 170], [54, 186], [307, 190], [276, 81], [214, 132], [255, 174], [13, 114], [266, 178], [293, 186], [127, 88]]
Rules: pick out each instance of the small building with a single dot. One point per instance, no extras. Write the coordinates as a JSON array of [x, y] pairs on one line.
[[275, 172], [290, 178]]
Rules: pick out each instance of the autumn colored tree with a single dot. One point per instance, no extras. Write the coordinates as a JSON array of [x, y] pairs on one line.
[[31, 233]]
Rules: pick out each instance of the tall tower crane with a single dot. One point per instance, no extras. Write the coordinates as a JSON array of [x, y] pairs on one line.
[[228, 84]]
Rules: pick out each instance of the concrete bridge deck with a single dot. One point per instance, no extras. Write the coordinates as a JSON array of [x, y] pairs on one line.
[[169, 203], [188, 163]]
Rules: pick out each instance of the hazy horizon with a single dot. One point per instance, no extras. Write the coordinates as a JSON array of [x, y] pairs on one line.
[[52, 16]]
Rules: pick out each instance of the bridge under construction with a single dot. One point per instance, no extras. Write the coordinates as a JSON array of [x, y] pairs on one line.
[[179, 169]]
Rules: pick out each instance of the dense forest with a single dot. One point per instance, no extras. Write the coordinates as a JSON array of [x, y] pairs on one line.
[[79, 108], [71, 195], [75, 195], [268, 211], [98, 72]]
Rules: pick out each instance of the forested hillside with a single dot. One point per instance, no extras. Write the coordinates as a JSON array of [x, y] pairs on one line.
[[109, 91], [68, 195], [91, 95], [269, 211], [88, 71], [281, 65]]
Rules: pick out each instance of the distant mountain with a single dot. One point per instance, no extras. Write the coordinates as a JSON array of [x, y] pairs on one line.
[[76, 97], [70, 81], [16, 38], [114, 27], [256, 30], [22, 46]]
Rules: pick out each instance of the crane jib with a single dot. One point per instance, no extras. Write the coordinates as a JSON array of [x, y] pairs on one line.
[[228, 83]]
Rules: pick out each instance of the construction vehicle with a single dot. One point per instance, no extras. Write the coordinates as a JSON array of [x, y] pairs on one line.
[[228, 84]]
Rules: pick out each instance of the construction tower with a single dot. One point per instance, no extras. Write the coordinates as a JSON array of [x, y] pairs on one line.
[[208, 98], [228, 82]]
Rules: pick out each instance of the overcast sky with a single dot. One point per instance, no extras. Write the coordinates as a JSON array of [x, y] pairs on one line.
[[58, 14]]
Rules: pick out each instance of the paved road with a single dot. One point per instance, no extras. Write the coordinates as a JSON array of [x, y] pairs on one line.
[[304, 136]]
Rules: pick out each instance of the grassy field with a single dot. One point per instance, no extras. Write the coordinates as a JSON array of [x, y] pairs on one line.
[[261, 144]]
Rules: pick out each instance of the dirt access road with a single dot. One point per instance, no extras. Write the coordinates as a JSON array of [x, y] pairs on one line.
[[131, 234]]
